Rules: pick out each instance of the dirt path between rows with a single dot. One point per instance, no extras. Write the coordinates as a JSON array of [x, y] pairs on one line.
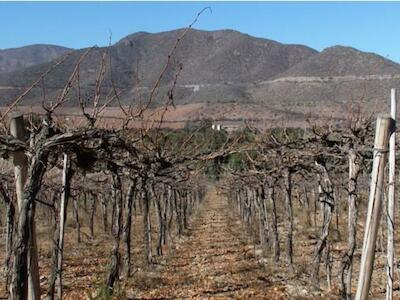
[[213, 261]]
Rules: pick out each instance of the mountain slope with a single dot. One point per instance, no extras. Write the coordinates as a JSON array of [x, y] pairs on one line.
[[223, 66], [343, 61], [18, 58], [209, 56], [206, 57], [223, 60]]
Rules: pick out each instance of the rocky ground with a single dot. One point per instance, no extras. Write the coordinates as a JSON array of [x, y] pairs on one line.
[[214, 259]]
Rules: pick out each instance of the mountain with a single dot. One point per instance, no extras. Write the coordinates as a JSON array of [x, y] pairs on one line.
[[225, 57], [19, 58], [330, 84], [206, 57], [343, 61], [256, 78]]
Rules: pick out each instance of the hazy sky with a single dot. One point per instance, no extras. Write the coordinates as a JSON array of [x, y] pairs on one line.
[[368, 26]]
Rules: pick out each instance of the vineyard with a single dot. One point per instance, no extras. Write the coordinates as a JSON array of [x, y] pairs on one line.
[[141, 211]]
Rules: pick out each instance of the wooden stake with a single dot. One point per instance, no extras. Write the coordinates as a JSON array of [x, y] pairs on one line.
[[374, 207], [20, 161], [63, 217], [391, 201]]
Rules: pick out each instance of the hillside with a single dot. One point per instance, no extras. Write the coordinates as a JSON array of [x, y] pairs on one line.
[[19, 58], [206, 57], [343, 61], [265, 78]]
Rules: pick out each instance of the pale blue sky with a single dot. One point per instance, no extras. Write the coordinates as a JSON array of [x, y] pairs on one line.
[[368, 26]]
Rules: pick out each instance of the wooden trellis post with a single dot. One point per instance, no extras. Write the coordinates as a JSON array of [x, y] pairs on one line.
[[20, 162], [382, 133], [391, 200], [63, 217]]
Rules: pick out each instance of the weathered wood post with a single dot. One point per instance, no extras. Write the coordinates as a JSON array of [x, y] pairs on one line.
[[10, 230], [347, 260], [63, 217], [287, 175], [114, 267], [391, 200], [374, 206], [20, 161], [127, 229]]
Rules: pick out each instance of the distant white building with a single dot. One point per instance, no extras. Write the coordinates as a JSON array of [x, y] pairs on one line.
[[216, 127], [228, 126]]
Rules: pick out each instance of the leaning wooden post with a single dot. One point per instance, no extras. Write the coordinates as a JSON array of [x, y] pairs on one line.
[[391, 200], [374, 206], [63, 217], [20, 161]]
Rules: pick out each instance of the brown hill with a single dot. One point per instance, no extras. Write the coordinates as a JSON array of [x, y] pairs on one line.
[[18, 58], [331, 81], [208, 56], [221, 61], [343, 61], [266, 79]]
